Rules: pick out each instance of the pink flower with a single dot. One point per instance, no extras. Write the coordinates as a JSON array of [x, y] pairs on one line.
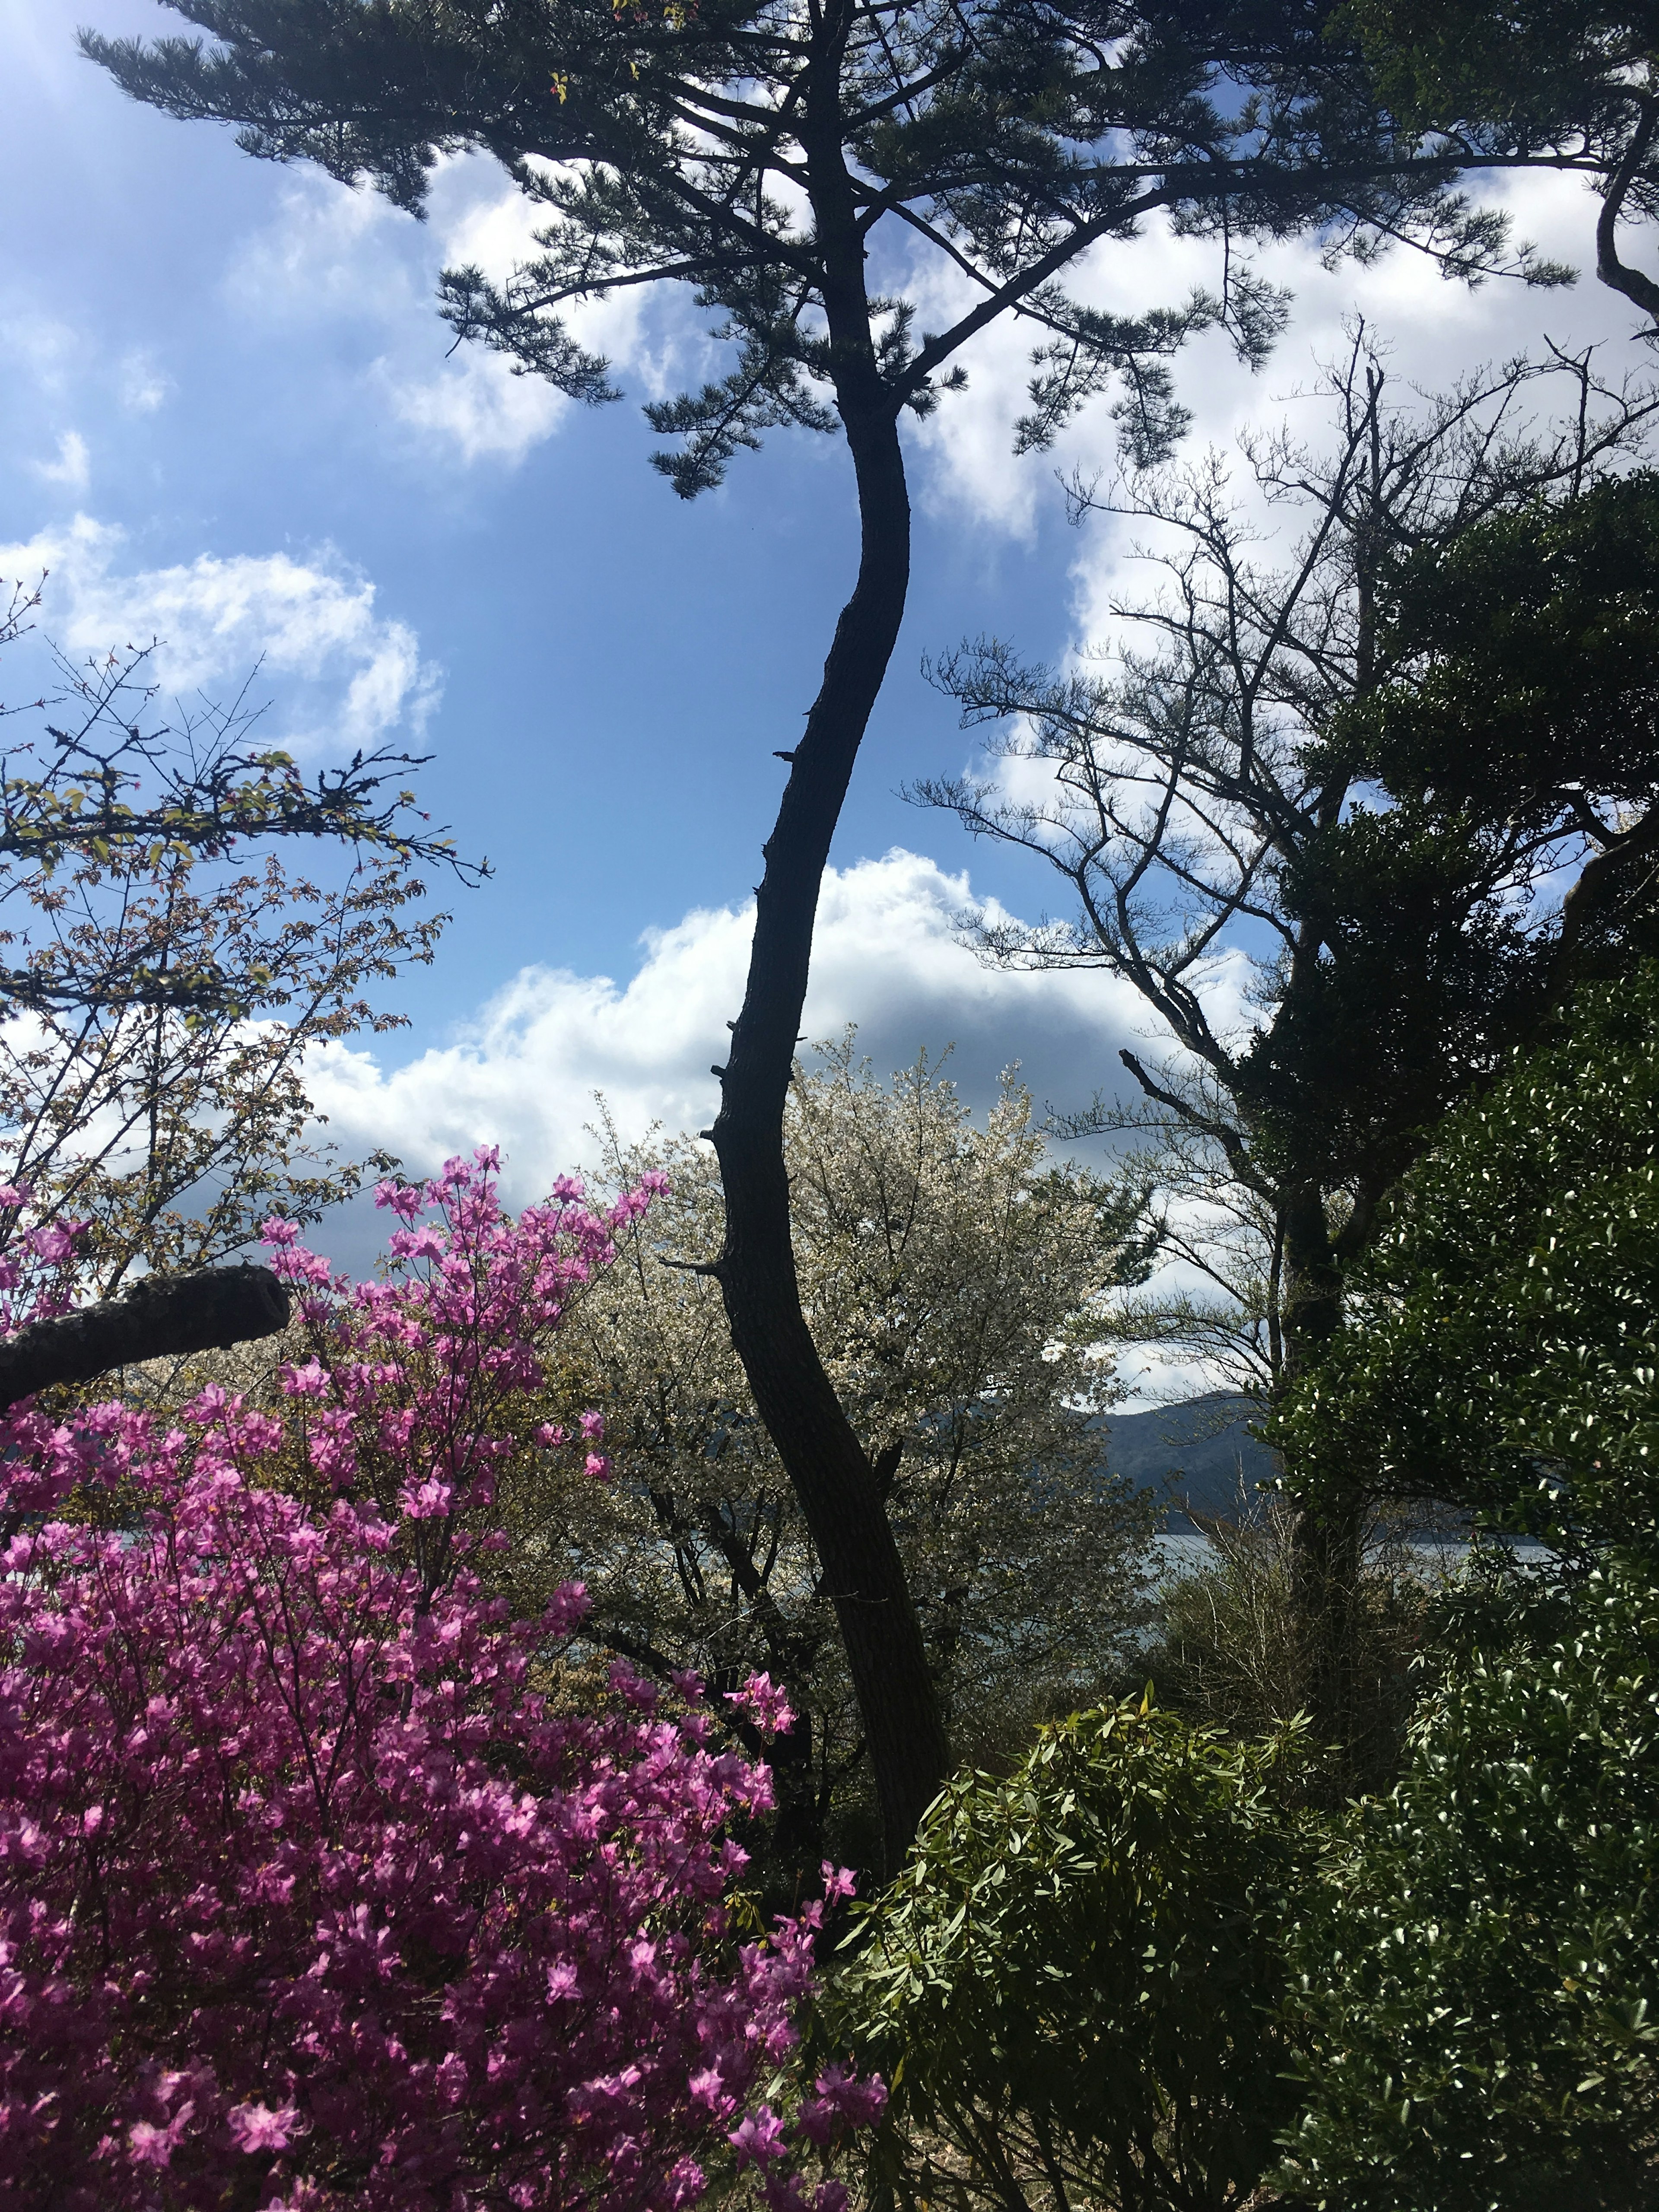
[[54, 1241], [316, 1766], [255, 2127], [861, 2103], [153, 2146], [310, 1381], [766, 1704], [838, 1881], [686, 2183], [400, 1198], [426, 1501], [758, 2139]]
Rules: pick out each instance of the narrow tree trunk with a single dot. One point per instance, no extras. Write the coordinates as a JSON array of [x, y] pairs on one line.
[[1329, 1535], [827, 1465]]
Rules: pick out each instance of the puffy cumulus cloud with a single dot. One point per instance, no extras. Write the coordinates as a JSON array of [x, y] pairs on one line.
[[335, 255], [886, 956], [346, 675]]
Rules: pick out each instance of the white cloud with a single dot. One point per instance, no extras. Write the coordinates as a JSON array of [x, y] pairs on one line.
[[330, 251], [141, 386], [475, 404], [1431, 333], [1435, 330], [885, 956], [72, 468], [347, 676], [336, 254]]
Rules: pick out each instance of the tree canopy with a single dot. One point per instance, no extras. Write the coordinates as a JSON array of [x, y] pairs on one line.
[[1501, 1350], [760, 154], [1554, 80], [164, 969]]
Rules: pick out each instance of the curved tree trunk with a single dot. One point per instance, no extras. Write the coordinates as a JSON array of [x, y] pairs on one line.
[[830, 1472], [839, 1493]]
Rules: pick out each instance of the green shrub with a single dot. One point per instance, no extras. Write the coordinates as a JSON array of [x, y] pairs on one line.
[[1076, 1986], [1502, 1349], [1478, 1990]]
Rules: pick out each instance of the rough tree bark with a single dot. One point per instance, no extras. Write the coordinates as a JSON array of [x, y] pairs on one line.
[[1329, 1539], [827, 1465], [162, 1317]]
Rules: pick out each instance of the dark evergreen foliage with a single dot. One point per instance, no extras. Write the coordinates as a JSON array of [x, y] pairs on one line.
[[1475, 1976], [1552, 79], [1503, 1351]]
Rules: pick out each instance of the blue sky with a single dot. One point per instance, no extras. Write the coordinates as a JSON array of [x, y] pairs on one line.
[[230, 420]]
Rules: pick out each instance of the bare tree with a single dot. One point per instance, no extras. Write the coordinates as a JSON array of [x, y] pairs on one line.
[[163, 975], [1326, 989], [1182, 790]]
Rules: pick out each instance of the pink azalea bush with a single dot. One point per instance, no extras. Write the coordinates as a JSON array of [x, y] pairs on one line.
[[310, 1894]]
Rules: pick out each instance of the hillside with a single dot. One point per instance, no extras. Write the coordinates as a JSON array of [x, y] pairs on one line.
[[1203, 1450]]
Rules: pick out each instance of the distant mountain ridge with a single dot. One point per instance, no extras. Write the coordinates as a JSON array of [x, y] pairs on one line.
[[1201, 1451]]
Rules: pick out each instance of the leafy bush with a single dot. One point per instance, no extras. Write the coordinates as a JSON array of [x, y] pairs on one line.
[[1503, 1351], [1476, 1985], [1074, 1986], [310, 1894]]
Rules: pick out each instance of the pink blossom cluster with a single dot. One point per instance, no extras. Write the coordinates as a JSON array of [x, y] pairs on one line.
[[312, 1891], [417, 1378], [415, 1390], [41, 1258]]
